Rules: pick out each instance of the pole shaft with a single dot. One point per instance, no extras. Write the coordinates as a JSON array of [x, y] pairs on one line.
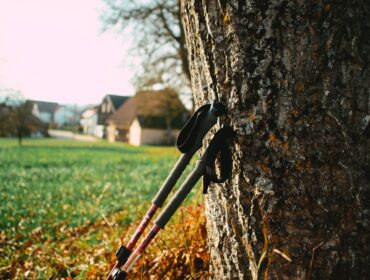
[[172, 178], [181, 194], [139, 250]]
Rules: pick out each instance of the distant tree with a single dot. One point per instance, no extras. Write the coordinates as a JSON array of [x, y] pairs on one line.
[[72, 120], [21, 116], [4, 124], [159, 40], [75, 118], [16, 117]]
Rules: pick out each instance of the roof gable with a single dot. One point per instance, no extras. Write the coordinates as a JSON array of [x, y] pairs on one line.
[[126, 114], [117, 100], [44, 106], [109, 105]]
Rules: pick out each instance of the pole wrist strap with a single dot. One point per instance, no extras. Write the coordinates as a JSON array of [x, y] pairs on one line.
[[219, 146]]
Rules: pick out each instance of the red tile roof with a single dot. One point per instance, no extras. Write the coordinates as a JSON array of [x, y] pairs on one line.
[[157, 104]]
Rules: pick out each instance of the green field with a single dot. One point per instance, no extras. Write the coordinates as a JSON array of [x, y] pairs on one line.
[[49, 185], [51, 182]]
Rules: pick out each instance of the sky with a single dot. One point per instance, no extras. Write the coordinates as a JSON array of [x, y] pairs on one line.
[[54, 50]]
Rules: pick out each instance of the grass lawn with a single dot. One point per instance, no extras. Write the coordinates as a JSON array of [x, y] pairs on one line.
[[49, 183], [53, 191]]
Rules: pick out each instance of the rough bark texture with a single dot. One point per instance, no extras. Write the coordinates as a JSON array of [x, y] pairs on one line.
[[295, 78]]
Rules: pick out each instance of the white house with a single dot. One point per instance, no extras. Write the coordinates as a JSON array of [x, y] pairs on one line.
[[89, 122], [43, 110]]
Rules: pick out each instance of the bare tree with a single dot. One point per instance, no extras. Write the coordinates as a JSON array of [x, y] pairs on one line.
[[16, 118], [158, 39], [5, 126], [295, 77], [20, 118]]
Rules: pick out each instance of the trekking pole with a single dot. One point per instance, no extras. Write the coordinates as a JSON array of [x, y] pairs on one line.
[[188, 142], [204, 166]]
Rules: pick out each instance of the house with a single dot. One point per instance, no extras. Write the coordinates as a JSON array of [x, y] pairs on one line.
[[36, 128], [54, 114], [89, 121], [148, 118], [43, 110], [109, 105]]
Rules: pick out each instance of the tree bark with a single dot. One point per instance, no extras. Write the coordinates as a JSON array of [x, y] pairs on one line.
[[295, 78]]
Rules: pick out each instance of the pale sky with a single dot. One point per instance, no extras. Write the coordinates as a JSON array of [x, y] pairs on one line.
[[51, 50]]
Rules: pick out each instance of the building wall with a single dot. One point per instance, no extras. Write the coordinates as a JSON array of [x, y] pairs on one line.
[[99, 131], [122, 134], [111, 133], [116, 133], [105, 110], [149, 136], [89, 121]]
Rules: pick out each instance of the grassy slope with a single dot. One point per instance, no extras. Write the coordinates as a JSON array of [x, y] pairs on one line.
[[64, 198]]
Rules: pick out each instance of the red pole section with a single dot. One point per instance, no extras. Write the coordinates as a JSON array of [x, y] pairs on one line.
[[139, 250], [139, 231]]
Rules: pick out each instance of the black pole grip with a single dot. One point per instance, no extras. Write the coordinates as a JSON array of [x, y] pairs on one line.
[[181, 194], [189, 141], [122, 254], [191, 135]]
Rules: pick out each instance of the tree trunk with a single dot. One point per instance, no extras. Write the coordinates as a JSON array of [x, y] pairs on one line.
[[295, 78]]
